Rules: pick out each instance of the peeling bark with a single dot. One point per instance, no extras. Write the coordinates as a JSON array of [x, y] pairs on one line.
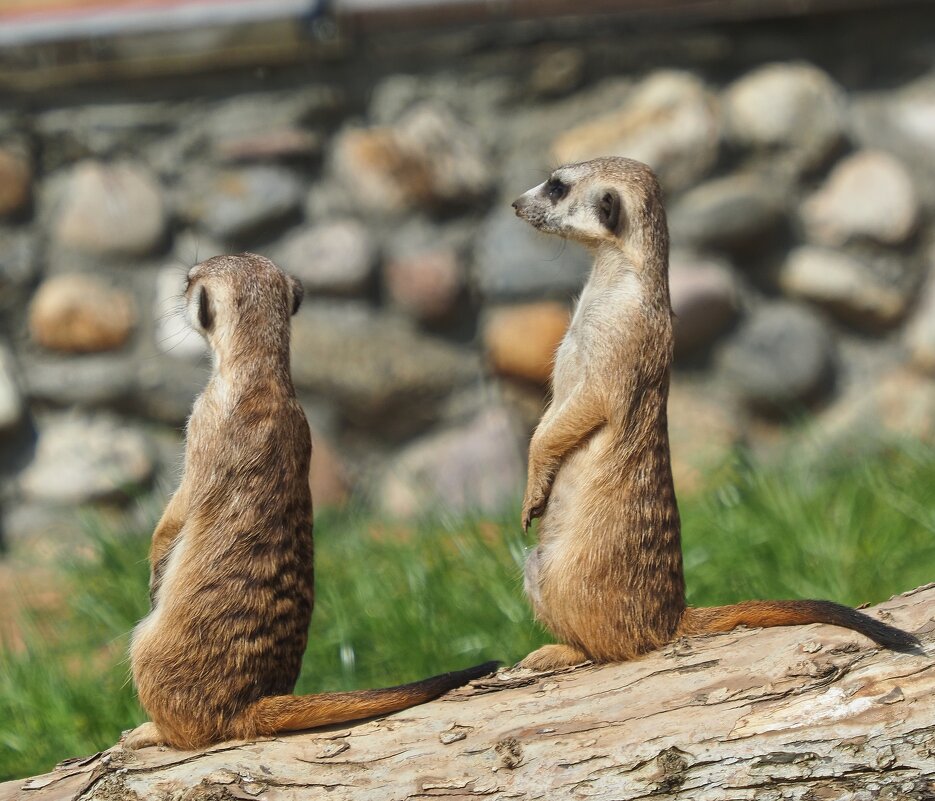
[[812, 713]]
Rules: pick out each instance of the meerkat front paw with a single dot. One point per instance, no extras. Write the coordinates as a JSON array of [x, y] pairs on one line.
[[554, 657], [537, 496], [142, 736]]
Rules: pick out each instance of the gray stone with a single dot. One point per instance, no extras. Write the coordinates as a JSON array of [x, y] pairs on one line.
[[557, 71], [173, 334], [429, 159], [512, 260], [726, 213], [795, 108], [335, 257], [902, 123], [86, 381], [704, 300], [19, 268], [241, 204], [670, 122], [111, 210], [11, 401], [81, 459], [478, 468], [868, 196], [844, 285], [780, 359], [381, 372], [166, 388]]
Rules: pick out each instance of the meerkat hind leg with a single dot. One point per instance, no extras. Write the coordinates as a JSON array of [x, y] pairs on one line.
[[554, 657], [143, 736]]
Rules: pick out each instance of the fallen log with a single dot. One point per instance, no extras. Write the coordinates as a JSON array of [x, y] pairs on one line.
[[809, 713]]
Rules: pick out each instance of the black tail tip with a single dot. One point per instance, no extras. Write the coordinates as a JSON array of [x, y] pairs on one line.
[[898, 640]]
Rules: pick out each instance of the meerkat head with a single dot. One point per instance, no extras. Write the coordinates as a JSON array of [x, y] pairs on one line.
[[607, 200], [243, 297]]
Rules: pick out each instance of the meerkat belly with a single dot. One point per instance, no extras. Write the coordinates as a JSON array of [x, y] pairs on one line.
[[593, 576]]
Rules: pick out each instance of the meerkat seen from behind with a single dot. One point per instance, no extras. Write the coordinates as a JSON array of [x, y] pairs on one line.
[[231, 587], [606, 577]]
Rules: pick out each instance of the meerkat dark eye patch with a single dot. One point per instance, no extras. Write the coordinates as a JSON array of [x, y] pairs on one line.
[[556, 190], [205, 312], [608, 211]]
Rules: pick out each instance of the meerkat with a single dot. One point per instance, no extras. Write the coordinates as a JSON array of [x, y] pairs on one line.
[[231, 585], [606, 578]]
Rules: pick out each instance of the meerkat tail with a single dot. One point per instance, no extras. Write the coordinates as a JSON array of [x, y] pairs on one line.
[[281, 713], [767, 614]]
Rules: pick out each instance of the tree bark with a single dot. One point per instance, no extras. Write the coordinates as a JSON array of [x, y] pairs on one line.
[[812, 713]]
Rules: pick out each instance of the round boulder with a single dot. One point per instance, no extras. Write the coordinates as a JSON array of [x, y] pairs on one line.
[[77, 313], [868, 196], [781, 359]]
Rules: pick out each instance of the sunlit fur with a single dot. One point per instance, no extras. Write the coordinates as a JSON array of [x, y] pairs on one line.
[[606, 577], [231, 586]]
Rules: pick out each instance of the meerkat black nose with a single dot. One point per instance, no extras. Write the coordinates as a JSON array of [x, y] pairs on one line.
[[518, 205]]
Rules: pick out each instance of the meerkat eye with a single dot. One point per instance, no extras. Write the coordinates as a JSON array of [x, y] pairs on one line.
[[556, 190], [608, 211]]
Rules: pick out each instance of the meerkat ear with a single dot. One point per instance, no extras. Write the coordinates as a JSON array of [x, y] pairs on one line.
[[205, 312], [298, 293], [608, 210]]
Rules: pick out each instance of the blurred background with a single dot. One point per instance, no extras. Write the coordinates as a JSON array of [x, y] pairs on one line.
[[372, 148]]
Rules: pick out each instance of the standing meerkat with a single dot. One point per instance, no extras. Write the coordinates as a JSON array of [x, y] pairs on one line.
[[231, 587], [606, 577]]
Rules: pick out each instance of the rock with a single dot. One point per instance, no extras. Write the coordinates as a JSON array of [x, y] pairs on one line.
[[920, 333], [794, 108], [901, 122], [277, 144], [328, 479], [780, 359], [428, 159], [19, 267], [900, 404], [868, 196], [426, 285], [15, 182], [335, 257], [726, 213], [111, 210], [173, 333], [166, 389], [378, 369], [78, 313], [94, 380], [11, 401], [81, 459], [521, 340], [844, 285], [704, 427], [478, 468], [670, 122], [704, 300], [557, 71], [243, 204], [512, 260]]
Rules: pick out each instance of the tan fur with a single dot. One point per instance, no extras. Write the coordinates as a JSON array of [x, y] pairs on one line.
[[232, 578], [606, 577]]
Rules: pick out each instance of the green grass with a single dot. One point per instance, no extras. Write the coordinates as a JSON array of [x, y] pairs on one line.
[[397, 603]]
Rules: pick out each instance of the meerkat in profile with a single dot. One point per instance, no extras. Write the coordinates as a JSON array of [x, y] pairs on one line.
[[218, 656], [606, 577]]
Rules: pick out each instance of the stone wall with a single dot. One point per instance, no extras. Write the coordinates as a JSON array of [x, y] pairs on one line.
[[800, 179]]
